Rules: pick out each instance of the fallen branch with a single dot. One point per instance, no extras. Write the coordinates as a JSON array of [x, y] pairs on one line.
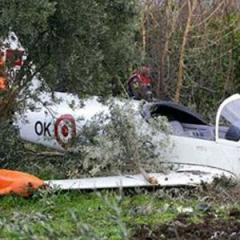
[[151, 179]]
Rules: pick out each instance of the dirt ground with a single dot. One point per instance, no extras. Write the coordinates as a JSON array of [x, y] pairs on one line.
[[210, 228]]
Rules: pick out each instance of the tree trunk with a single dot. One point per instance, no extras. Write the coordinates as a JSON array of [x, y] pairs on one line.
[[191, 7]]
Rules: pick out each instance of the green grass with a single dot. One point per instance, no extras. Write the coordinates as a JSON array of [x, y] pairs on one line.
[[89, 215]]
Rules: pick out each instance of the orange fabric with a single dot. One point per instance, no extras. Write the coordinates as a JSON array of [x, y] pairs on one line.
[[3, 82], [17, 182]]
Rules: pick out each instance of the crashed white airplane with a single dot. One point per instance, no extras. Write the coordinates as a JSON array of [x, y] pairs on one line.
[[201, 151]]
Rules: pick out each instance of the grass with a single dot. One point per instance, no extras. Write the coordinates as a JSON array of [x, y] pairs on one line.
[[93, 215]]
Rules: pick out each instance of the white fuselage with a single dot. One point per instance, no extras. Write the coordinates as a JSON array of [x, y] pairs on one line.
[[53, 122], [53, 125], [198, 152]]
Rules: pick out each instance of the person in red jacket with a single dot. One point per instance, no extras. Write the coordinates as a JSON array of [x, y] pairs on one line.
[[139, 84], [3, 80]]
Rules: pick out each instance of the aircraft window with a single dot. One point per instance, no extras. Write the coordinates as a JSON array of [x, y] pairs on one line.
[[229, 124], [177, 128], [233, 133]]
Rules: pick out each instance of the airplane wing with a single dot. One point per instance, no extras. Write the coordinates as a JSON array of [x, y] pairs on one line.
[[23, 183], [182, 177]]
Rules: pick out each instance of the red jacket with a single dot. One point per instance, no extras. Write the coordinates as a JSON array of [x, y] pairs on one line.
[[142, 79]]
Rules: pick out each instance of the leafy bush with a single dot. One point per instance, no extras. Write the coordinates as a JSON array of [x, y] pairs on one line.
[[11, 147], [120, 142]]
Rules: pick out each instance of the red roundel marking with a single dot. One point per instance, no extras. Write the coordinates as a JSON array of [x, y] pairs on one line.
[[65, 130]]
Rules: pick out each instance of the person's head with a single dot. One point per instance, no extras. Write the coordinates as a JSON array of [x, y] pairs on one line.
[[145, 70]]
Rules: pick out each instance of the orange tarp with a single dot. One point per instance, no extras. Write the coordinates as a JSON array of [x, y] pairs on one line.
[[18, 182]]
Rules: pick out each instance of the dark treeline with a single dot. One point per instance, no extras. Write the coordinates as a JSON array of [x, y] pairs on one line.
[[91, 47], [193, 47], [83, 47]]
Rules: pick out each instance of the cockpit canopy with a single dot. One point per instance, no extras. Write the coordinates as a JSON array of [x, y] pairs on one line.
[[186, 123], [228, 119], [173, 112]]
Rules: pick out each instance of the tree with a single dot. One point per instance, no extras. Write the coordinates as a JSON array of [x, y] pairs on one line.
[[84, 47], [77, 46], [193, 48]]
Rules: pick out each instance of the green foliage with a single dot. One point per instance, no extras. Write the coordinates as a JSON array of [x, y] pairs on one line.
[[78, 46], [28, 18], [111, 214], [11, 147], [108, 144], [211, 56], [211, 65], [113, 144]]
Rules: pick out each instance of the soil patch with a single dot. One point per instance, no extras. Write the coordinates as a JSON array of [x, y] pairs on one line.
[[209, 228]]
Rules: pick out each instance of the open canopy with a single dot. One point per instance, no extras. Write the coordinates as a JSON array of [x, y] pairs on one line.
[[228, 119]]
